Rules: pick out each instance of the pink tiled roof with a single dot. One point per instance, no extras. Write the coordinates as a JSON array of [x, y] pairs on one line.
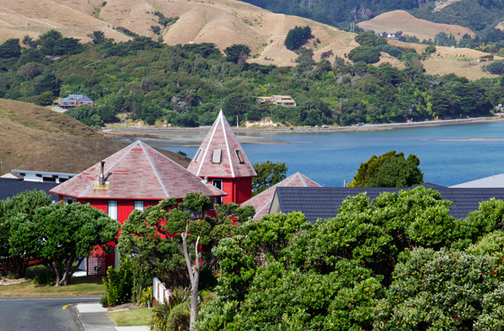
[[262, 201], [219, 154], [136, 172]]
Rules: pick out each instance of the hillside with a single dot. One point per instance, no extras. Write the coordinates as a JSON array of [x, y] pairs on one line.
[[35, 138], [399, 20], [223, 22]]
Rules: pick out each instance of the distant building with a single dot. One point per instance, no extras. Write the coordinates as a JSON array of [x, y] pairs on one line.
[[282, 100], [43, 176], [486, 58], [75, 100]]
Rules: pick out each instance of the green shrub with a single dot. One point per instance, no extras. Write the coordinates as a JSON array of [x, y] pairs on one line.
[[179, 318], [495, 68], [104, 302], [166, 318], [145, 299], [45, 278], [118, 284], [370, 39], [367, 54]]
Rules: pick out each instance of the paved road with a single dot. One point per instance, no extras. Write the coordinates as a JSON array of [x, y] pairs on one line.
[[39, 314]]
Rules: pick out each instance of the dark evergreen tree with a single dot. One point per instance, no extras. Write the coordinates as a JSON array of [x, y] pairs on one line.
[[297, 37]]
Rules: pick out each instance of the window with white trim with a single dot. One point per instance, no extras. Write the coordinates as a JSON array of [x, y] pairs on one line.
[[139, 205], [112, 209]]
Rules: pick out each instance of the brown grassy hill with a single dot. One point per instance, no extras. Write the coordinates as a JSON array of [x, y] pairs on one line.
[[223, 22], [399, 20], [36, 138]]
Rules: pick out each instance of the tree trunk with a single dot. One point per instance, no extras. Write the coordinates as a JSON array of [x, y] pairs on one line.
[[194, 272], [15, 266]]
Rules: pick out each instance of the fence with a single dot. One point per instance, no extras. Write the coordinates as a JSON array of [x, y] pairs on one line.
[[160, 293]]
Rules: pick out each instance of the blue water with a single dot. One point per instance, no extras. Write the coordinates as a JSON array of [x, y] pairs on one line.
[[333, 157]]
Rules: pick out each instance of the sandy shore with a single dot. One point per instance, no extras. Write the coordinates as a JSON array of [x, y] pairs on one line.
[[192, 137]]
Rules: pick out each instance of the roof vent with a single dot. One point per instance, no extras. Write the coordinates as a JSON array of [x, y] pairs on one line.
[[102, 181], [102, 174]]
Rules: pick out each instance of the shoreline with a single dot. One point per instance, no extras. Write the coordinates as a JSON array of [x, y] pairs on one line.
[[192, 137]]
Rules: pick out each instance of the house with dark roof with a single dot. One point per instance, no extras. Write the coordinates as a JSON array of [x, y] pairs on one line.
[[10, 187], [75, 100], [323, 202], [262, 201]]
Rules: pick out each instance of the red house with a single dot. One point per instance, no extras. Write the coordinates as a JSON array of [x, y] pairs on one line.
[[133, 178], [222, 162]]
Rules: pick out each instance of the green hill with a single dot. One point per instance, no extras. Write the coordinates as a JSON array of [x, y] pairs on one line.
[[36, 138]]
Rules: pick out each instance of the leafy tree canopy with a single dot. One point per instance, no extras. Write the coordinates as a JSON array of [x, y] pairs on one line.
[[297, 37], [268, 174], [370, 39], [20, 207], [366, 54], [388, 170], [237, 52], [63, 234], [10, 49]]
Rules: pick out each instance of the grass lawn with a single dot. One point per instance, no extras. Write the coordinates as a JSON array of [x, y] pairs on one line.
[[77, 286], [131, 317]]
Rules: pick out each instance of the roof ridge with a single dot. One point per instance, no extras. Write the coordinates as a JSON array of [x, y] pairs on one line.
[[303, 180], [221, 114], [120, 158], [154, 169], [206, 150]]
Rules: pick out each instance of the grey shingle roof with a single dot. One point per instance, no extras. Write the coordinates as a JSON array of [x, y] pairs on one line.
[[11, 187], [323, 202]]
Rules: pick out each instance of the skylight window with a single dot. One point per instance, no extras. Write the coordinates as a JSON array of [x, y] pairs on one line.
[[196, 157], [217, 155], [240, 156]]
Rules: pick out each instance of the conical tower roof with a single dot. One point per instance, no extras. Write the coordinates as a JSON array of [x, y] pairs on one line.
[[136, 172], [220, 154]]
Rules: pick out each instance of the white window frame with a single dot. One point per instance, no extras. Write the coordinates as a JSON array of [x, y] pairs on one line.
[[112, 209], [138, 205]]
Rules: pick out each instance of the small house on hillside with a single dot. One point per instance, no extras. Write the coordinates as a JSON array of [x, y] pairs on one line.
[[75, 100], [281, 100], [486, 58]]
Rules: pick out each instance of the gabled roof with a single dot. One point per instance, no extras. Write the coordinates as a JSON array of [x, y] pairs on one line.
[[136, 172], [220, 154], [262, 201], [78, 97], [324, 202], [492, 181]]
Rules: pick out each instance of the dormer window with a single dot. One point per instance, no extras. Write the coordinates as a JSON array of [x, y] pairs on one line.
[[240, 157], [217, 156]]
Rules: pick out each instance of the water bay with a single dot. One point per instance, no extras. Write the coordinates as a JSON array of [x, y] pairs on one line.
[[449, 155]]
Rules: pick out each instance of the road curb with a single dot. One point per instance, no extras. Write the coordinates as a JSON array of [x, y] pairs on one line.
[[76, 317]]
